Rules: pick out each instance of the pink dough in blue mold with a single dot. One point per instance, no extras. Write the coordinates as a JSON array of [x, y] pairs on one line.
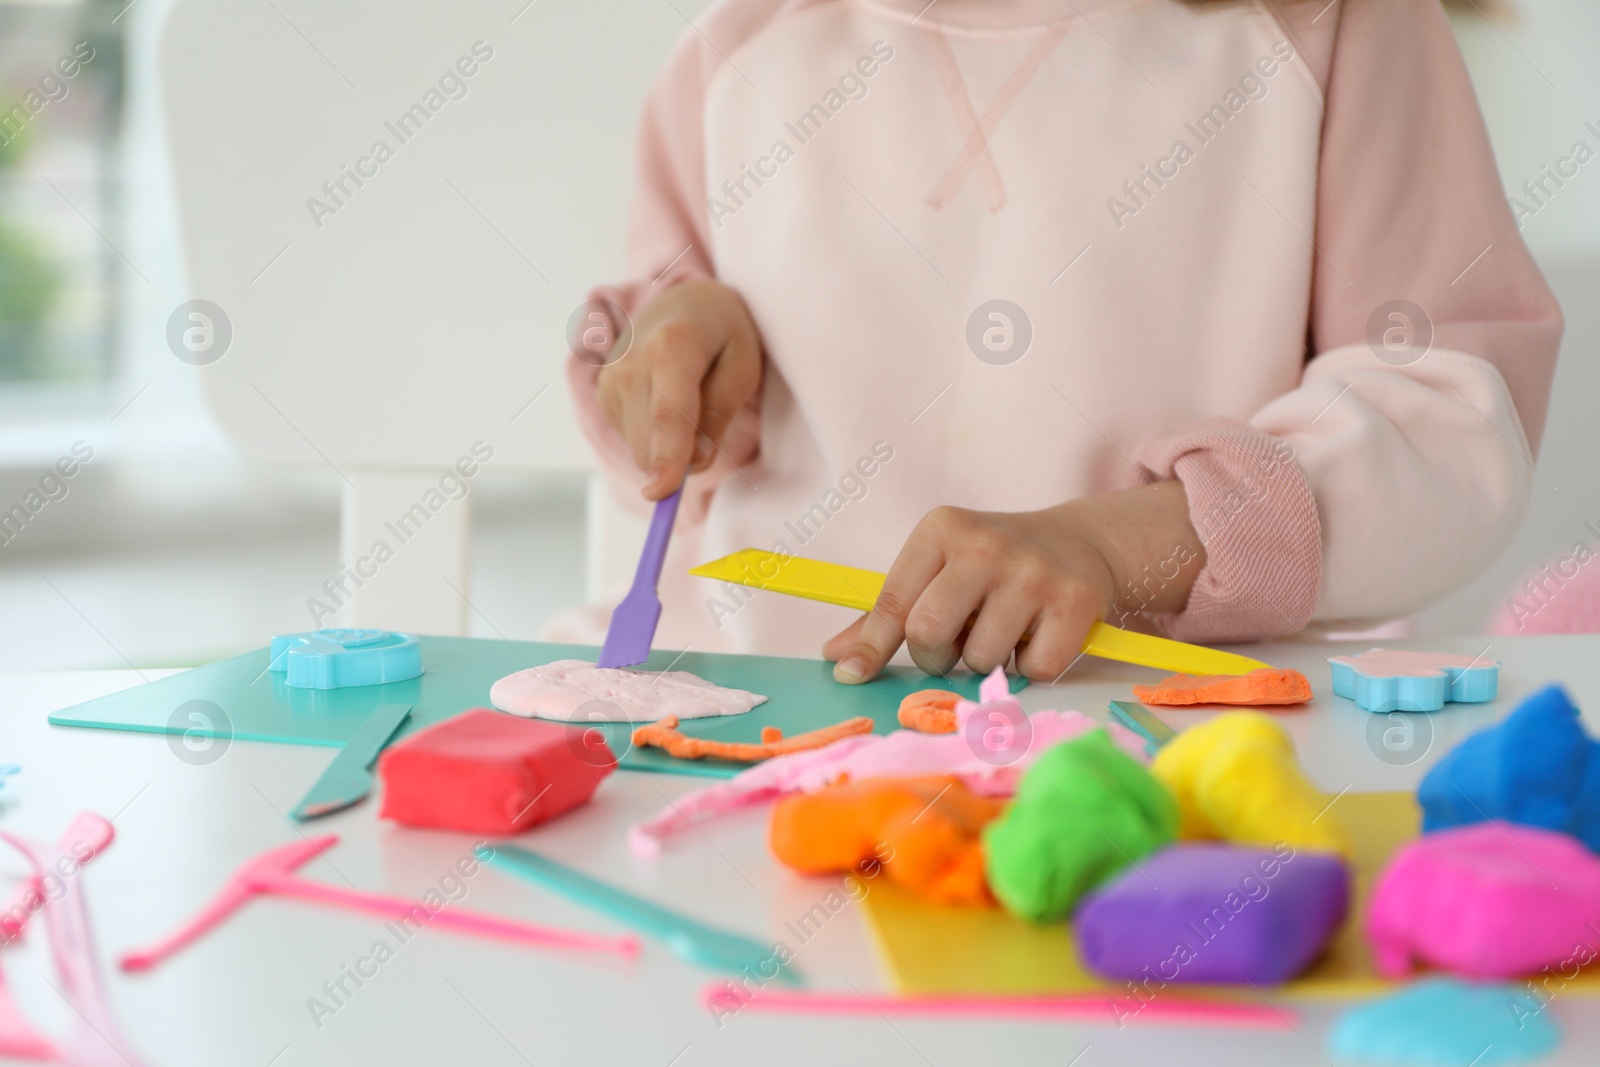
[[1383, 680]]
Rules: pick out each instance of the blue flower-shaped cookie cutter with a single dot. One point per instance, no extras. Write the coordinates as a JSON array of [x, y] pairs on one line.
[[1384, 680]]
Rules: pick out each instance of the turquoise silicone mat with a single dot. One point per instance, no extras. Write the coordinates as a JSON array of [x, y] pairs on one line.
[[243, 700]]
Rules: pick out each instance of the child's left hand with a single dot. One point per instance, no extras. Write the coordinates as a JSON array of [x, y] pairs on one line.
[[972, 585]]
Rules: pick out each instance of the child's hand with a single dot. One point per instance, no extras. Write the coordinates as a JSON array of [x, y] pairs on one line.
[[970, 585], [695, 359]]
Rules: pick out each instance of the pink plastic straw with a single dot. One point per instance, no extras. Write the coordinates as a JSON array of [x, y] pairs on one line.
[[85, 839], [97, 1039], [1088, 1007], [18, 1038], [272, 872]]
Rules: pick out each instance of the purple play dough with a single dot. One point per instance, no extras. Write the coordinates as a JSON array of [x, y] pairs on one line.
[[1215, 913]]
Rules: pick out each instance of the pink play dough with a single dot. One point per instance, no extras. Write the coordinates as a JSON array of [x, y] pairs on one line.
[[1489, 900], [1388, 663], [989, 761], [574, 691]]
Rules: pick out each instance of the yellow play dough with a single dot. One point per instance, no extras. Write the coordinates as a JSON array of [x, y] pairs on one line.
[[1236, 779]]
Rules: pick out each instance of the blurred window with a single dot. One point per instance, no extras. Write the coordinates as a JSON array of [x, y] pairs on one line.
[[61, 92]]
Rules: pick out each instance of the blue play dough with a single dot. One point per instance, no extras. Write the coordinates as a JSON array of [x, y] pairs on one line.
[[1383, 692], [1536, 767], [342, 658], [1444, 1022]]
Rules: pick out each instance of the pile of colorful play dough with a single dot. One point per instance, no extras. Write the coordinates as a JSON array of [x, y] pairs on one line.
[[1217, 861], [1503, 884], [1151, 863], [1504, 881], [1257, 901], [995, 744]]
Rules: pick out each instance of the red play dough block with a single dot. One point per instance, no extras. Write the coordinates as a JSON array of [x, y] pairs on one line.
[[486, 772]]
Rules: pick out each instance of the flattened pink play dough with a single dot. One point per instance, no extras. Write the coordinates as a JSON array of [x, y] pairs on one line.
[[989, 767], [1389, 663], [574, 691], [1489, 900]]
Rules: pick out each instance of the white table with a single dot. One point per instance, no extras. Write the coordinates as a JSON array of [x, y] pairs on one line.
[[239, 996]]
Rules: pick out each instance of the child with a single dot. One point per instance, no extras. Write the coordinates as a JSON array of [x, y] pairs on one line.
[[1207, 317]]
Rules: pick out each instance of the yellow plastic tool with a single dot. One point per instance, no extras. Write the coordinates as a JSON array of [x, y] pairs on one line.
[[852, 587]]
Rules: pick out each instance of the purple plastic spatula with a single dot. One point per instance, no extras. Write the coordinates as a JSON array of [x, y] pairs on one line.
[[633, 623]]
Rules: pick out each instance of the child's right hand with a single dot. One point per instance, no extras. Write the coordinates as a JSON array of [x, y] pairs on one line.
[[695, 358]]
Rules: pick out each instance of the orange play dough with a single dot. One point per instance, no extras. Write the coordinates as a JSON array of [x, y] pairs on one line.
[[925, 833], [930, 711], [1265, 686], [665, 736]]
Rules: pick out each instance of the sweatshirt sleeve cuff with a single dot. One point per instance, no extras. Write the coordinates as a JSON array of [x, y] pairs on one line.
[[1255, 515]]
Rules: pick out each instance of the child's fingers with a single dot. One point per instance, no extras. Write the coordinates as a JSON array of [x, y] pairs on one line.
[[634, 401], [1005, 616], [621, 394], [885, 626], [936, 623], [674, 409], [1058, 635], [731, 380], [836, 646], [609, 396]]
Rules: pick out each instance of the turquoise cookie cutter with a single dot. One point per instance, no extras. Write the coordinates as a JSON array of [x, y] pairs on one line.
[[1384, 680], [343, 658]]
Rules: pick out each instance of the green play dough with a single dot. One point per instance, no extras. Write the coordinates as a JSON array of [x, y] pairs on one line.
[[1083, 812]]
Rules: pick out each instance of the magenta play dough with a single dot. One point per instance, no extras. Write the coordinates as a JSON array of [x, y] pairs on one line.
[[575, 691], [1489, 900]]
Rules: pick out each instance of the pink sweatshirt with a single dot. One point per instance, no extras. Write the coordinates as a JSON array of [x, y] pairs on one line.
[[1200, 219]]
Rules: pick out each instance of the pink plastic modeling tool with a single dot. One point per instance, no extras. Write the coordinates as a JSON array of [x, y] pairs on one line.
[[96, 1039], [1094, 1007], [633, 622], [273, 872]]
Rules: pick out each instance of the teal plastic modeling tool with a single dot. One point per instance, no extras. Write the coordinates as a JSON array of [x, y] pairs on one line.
[[349, 777], [1142, 721], [688, 939]]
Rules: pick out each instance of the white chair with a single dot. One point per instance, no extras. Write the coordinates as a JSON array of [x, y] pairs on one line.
[[391, 308]]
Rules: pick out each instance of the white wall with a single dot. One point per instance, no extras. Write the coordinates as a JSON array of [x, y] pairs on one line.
[[1538, 83]]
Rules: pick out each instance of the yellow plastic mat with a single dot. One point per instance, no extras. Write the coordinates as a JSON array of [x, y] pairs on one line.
[[932, 949]]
